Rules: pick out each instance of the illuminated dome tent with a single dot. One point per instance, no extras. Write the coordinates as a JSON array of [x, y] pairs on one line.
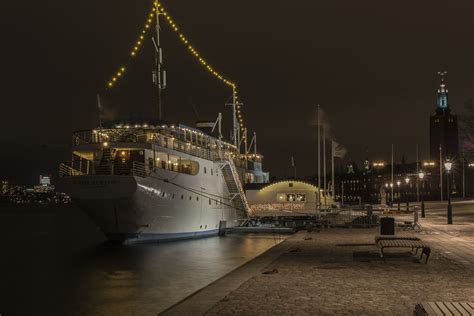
[[283, 197]]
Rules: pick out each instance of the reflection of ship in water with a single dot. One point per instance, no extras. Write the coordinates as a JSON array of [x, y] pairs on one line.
[[152, 179]]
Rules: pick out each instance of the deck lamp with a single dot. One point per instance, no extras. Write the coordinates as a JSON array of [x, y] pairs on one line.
[[448, 165], [421, 175]]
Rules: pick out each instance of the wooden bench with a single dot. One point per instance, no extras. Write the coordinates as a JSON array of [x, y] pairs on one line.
[[444, 309], [414, 243]]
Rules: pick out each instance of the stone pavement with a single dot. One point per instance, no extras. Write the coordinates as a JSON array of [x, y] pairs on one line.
[[339, 272]]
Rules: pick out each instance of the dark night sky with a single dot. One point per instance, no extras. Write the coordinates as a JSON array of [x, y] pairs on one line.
[[370, 64]]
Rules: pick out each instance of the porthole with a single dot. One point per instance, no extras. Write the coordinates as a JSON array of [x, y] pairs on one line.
[[200, 227], [205, 170], [209, 201], [190, 197], [212, 172], [197, 198], [173, 196], [182, 196]]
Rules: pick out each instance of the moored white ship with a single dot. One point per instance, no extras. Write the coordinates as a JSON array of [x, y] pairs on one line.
[[158, 181], [154, 180]]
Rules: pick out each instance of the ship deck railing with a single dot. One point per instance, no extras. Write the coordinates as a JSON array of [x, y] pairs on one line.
[[206, 150], [67, 171]]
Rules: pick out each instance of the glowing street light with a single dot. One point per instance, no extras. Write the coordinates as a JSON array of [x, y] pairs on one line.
[[421, 175], [448, 165], [398, 199], [407, 180]]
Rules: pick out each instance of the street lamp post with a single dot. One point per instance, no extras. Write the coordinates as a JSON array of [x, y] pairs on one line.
[[448, 165], [398, 199], [386, 194], [422, 175], [407, 180], [391, 195]]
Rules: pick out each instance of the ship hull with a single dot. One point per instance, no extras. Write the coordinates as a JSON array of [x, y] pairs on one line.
[[146, 209]]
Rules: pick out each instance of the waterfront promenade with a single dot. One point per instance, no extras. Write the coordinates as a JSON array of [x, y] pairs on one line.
[[339, 272]]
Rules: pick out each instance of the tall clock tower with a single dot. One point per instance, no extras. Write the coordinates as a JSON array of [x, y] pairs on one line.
[[443, 127]]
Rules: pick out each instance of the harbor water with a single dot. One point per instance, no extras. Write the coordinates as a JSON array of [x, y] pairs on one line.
[[55, 262]]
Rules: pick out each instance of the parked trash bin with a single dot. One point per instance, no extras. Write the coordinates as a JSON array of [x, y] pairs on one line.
[[387, 226]]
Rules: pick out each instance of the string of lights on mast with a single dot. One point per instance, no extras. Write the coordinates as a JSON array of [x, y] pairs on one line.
[[119, 74]]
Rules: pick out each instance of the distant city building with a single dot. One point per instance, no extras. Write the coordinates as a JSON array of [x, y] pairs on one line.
[[373, 184], [45, 180], [444, 140], [44, 193], [44, 185], [4, 187]]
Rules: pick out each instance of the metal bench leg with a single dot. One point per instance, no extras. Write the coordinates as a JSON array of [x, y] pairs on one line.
[[427, 252]]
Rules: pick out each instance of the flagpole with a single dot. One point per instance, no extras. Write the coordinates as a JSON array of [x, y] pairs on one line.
[[391, 185], [324, 165], [463, 173], [417, 177], [293, 165], [319, 157], [332, 170], [441, 171], [99, 108]]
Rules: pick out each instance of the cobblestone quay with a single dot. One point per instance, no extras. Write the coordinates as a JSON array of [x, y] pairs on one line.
[[339, 272]]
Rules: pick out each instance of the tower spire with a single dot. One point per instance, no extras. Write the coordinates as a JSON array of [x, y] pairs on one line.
[[442, 101]]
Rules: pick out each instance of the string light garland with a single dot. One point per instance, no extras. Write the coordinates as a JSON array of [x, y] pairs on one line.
[[201, 60], [134, 51], [150, 21]]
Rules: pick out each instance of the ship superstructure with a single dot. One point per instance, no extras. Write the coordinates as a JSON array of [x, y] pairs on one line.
[[157, 180]]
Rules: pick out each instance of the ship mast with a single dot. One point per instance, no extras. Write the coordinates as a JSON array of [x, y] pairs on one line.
[[159, 75]]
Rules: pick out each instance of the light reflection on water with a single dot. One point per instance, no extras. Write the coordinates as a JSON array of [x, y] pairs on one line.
[[145, 279], [45, 269]]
